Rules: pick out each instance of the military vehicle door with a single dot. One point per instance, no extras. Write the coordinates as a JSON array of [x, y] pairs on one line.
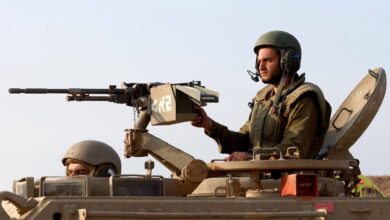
[[354, 115]]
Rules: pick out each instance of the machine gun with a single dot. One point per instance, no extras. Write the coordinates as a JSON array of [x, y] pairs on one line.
[[158, 104], [124, 95], [167, 103]]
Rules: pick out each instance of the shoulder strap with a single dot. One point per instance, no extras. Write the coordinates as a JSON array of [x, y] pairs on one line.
[[323, 105], [260, 95]]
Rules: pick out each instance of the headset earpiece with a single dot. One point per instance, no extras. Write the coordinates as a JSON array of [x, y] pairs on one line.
[[291, 61], [104, 171]]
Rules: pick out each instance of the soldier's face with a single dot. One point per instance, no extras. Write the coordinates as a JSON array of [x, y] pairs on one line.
[[75, 169], [269, 68]]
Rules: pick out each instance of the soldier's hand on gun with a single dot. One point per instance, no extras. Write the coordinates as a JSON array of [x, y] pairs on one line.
[[239, 156], [202, 120]]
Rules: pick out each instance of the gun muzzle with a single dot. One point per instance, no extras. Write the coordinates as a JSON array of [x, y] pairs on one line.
[[16, 90]]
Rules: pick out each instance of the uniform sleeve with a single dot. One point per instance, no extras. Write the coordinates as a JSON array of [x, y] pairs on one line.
[[301, 126], [230, 141]]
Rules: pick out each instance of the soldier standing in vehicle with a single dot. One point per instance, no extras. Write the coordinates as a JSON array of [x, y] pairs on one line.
[[288, 112], [91, 158]]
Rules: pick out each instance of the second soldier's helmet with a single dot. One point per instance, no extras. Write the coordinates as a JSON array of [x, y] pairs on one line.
[[287, 45], [96, 154]]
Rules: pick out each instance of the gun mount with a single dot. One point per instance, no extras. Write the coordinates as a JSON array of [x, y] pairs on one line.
[[259, 189]]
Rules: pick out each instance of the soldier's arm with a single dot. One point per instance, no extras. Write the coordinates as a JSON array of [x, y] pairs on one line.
[[230, 141]]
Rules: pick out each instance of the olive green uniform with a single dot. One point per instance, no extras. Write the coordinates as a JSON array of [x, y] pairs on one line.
[[302, 122]]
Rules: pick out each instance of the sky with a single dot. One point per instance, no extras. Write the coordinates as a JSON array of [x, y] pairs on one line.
[[94, 44]]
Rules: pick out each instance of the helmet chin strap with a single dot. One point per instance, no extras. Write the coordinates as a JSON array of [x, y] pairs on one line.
[[275, 106]]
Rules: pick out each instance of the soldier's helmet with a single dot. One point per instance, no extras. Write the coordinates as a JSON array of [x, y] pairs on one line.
[[98, 155], [287, 45]]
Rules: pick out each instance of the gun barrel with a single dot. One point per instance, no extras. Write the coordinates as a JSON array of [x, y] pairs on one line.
[[66, 91], [36, 90]]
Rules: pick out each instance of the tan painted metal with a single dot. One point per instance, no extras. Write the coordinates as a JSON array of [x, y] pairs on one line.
[[209, 208], [281, 165], [224, 190], [354, 115]]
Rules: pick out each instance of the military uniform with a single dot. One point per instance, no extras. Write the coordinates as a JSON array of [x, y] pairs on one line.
[[302, 122]]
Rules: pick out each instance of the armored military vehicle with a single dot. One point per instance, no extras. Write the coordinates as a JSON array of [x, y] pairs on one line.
[[285, 188]]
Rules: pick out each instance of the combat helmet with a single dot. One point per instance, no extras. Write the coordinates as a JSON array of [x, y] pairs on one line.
[[96, 154], [287, 45]]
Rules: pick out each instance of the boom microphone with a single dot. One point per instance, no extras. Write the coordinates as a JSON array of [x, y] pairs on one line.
[[254, 76]]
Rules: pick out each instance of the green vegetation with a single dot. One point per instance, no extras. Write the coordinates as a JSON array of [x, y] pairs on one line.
[[367, 188]]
